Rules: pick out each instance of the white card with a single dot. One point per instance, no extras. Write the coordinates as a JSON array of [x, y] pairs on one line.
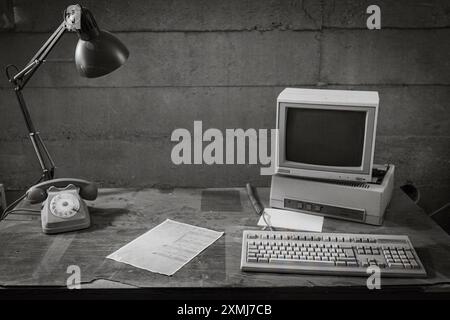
[[287, 219]]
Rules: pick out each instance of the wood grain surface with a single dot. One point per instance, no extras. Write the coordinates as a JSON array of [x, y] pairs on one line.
[[30, 258]]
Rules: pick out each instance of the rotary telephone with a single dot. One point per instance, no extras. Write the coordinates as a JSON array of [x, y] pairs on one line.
[[63, 208]]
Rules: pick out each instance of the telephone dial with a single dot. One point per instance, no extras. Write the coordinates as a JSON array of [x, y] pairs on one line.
[[63, 208]]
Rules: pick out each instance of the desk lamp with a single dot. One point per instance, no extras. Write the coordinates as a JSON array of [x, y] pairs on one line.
[[97, 53]]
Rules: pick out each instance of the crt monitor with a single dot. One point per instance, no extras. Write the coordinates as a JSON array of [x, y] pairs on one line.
[[326, 134]]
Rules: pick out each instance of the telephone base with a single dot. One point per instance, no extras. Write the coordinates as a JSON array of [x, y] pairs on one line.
[[64, 211], [52, 225], [68, 226]]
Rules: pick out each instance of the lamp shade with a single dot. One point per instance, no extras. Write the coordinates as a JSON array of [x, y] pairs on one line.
[[99, 55], [98, 52]]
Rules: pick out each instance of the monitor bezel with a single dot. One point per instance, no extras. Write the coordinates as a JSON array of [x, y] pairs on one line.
[[361, 173]]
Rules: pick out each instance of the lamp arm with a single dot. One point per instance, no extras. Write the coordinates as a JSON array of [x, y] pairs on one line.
[[19, 81], [76, 19], [22, 77]]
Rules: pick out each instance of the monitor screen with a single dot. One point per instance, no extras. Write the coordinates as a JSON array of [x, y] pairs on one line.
[[325, 137]]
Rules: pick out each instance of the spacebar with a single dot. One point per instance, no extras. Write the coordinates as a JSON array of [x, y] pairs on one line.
[[301, 262]]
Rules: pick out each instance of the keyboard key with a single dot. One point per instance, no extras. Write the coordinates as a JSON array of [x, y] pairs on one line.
[[409, 255], [349, 252], [346, 259], [395, 265], [303, 262]]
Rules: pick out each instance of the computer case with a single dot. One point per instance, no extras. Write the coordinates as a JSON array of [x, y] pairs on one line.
[[364, 202]]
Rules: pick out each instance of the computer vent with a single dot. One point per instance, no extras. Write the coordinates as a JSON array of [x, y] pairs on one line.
[[353, 184]]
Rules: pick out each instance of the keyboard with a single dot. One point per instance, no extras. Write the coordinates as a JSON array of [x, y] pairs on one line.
[[329, 253]]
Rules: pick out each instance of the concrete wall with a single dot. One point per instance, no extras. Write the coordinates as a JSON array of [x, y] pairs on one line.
[[224, 62]]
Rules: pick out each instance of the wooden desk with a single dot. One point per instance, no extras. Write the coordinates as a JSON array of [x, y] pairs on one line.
[[30, 258]]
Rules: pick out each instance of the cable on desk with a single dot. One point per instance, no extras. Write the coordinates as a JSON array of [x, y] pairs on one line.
[[257, 206], [10, 208], [23, 210]]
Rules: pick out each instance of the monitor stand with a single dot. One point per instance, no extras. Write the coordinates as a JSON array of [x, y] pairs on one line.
[[354, 201]]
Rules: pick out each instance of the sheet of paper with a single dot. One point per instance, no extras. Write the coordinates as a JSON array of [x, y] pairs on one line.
[[287, 219], [167, 247]]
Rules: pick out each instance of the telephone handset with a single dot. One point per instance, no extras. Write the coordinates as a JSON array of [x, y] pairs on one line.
[[63, 208]]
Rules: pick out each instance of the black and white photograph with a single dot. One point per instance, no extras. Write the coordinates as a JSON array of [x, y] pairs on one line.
[[224, 155]]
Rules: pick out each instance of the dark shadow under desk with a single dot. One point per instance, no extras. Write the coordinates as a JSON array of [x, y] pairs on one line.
[[31, 259]]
